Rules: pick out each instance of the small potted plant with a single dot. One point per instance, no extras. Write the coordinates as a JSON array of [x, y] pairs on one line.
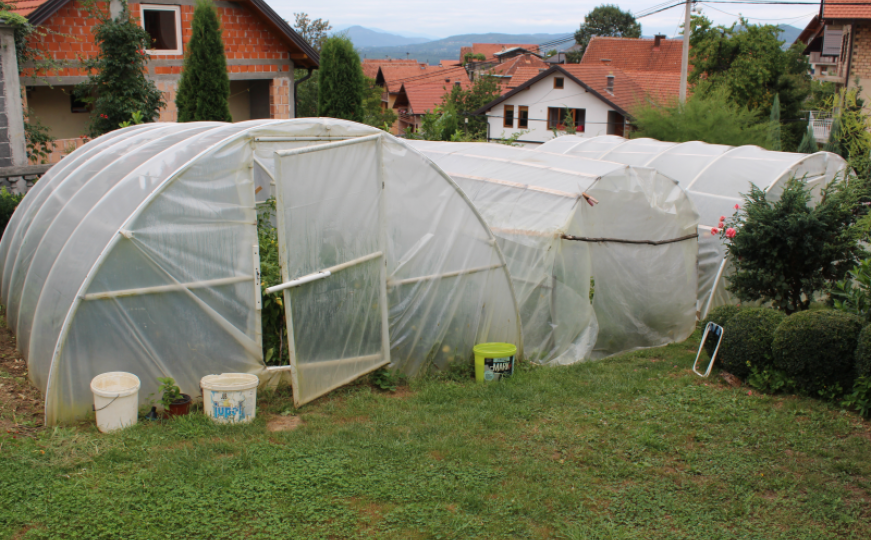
[[174, 402]]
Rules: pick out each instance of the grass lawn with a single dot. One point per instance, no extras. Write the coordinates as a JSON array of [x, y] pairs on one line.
[[630, 447]]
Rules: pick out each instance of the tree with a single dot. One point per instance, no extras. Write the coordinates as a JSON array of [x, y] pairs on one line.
[[204, 89], [314, 32], [116, 86], [785, 251], [606, 20], [712, 118], [374, 113], [808, 144], [748, 62], [461, 103], [341, 80], [774, 139]]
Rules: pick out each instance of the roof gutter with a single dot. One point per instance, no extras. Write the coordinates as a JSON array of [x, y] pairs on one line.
[[297, 83]]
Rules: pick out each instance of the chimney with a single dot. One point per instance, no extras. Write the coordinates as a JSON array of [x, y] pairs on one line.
[[657, 41], [610, 86]]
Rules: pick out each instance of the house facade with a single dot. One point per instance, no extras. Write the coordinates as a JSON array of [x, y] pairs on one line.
[[261, 50], [588, 100]]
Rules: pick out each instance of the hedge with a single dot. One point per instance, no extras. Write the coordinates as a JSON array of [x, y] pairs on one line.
[[817, 348], [863, 353], [747, 340]]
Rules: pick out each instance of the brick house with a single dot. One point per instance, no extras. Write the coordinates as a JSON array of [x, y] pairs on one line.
[[838, 45], [261, 49]]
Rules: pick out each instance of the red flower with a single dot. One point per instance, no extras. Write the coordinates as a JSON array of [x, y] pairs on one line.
[[722, 218], [714, 230], [730, 232], [737, 206], [721, 224]]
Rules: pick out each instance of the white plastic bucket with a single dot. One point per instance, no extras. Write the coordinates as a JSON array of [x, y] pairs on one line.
[[230, 398], [116, 400]]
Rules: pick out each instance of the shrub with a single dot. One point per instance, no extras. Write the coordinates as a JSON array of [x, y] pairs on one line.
[[719, 315], [816, 348], [853, 295], [341, 80], [747, 341], [8, 204], [863, 353], [204, 88]]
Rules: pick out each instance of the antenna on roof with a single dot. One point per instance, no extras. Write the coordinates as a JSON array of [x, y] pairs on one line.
[[406, 55]]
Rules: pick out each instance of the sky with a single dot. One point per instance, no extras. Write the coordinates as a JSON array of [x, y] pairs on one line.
[[443, 18]]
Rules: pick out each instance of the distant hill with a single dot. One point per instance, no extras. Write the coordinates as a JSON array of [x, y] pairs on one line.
[[789, 34], [367, 37], [449, 47]]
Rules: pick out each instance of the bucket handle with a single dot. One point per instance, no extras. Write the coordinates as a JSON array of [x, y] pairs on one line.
[[105, 406]]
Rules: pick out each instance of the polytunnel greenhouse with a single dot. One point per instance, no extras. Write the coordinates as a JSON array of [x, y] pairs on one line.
[[716, 177], [603, 255], [139, 253]]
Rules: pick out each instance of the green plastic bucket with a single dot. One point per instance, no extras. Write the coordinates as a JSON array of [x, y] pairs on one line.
[[494, 361]]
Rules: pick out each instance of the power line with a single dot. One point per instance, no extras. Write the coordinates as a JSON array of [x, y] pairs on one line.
[[757, 18]]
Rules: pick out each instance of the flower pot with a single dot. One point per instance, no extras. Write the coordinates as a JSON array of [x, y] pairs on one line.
[[179, 407]]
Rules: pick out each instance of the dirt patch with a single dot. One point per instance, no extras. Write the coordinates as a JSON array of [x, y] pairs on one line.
[[21, 404], [284, 423], [436, 455]]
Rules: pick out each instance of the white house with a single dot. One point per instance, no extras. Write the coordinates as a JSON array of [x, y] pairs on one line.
[[595, 100]]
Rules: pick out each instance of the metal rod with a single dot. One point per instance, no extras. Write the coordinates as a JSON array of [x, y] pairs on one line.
[[167, 288], [622, 241], [328, 146], [289, 139], [444, 275], [321, 274]]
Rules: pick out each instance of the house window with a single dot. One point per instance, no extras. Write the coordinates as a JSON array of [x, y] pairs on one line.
[[559, 83], [77, 105], [163, 24], [559, 118], [522, 117], [508, 117]]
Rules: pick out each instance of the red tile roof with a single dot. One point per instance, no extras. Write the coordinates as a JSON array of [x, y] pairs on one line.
[[627, 93], [448, 63], [490, 49], [425, 92], [859, 11], [371, 65], [523, 74], [636, 54], [25, 7], [661, 87]]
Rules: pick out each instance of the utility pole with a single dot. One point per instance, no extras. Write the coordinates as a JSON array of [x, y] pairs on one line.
[[685, 57]]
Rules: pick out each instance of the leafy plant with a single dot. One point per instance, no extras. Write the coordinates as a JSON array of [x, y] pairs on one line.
[[170, 393], [722, 316], [473, 57], [117, 86], [853, 294], [860, 397], [387, 379], [135, 119], [863, 353], [374, 114], [512, 140], [204, 88], [771, 380], [747, 342], [272, 315], [38, 137], [8, 204], [816, 348], [786, 251]]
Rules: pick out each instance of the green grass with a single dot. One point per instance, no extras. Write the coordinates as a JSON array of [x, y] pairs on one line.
[[631, 447]]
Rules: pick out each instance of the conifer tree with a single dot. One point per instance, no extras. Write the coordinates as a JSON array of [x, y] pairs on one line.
[[774, 139], [204, 89], [808, 143], [341, 80]]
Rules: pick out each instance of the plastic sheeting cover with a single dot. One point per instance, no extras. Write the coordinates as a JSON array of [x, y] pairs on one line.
[[715, 177], [138, 253], [643, 294]]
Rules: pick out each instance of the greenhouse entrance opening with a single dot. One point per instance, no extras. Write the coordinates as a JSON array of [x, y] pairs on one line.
[[336, 294]]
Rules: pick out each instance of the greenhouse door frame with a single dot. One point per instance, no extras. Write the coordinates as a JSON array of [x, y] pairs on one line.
[[299, 398]]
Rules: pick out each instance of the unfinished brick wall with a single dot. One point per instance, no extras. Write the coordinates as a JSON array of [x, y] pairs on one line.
[[279, 98], [68, 37], [861, 60]]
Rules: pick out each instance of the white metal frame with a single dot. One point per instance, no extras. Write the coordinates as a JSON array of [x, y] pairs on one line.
[[720, 332], [289, 283], [178, 35]]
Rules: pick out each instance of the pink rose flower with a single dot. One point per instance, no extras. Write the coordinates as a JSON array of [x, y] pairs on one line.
[[714, 230], [722, 218], [737, 206], [730, 232], [721, 224]]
